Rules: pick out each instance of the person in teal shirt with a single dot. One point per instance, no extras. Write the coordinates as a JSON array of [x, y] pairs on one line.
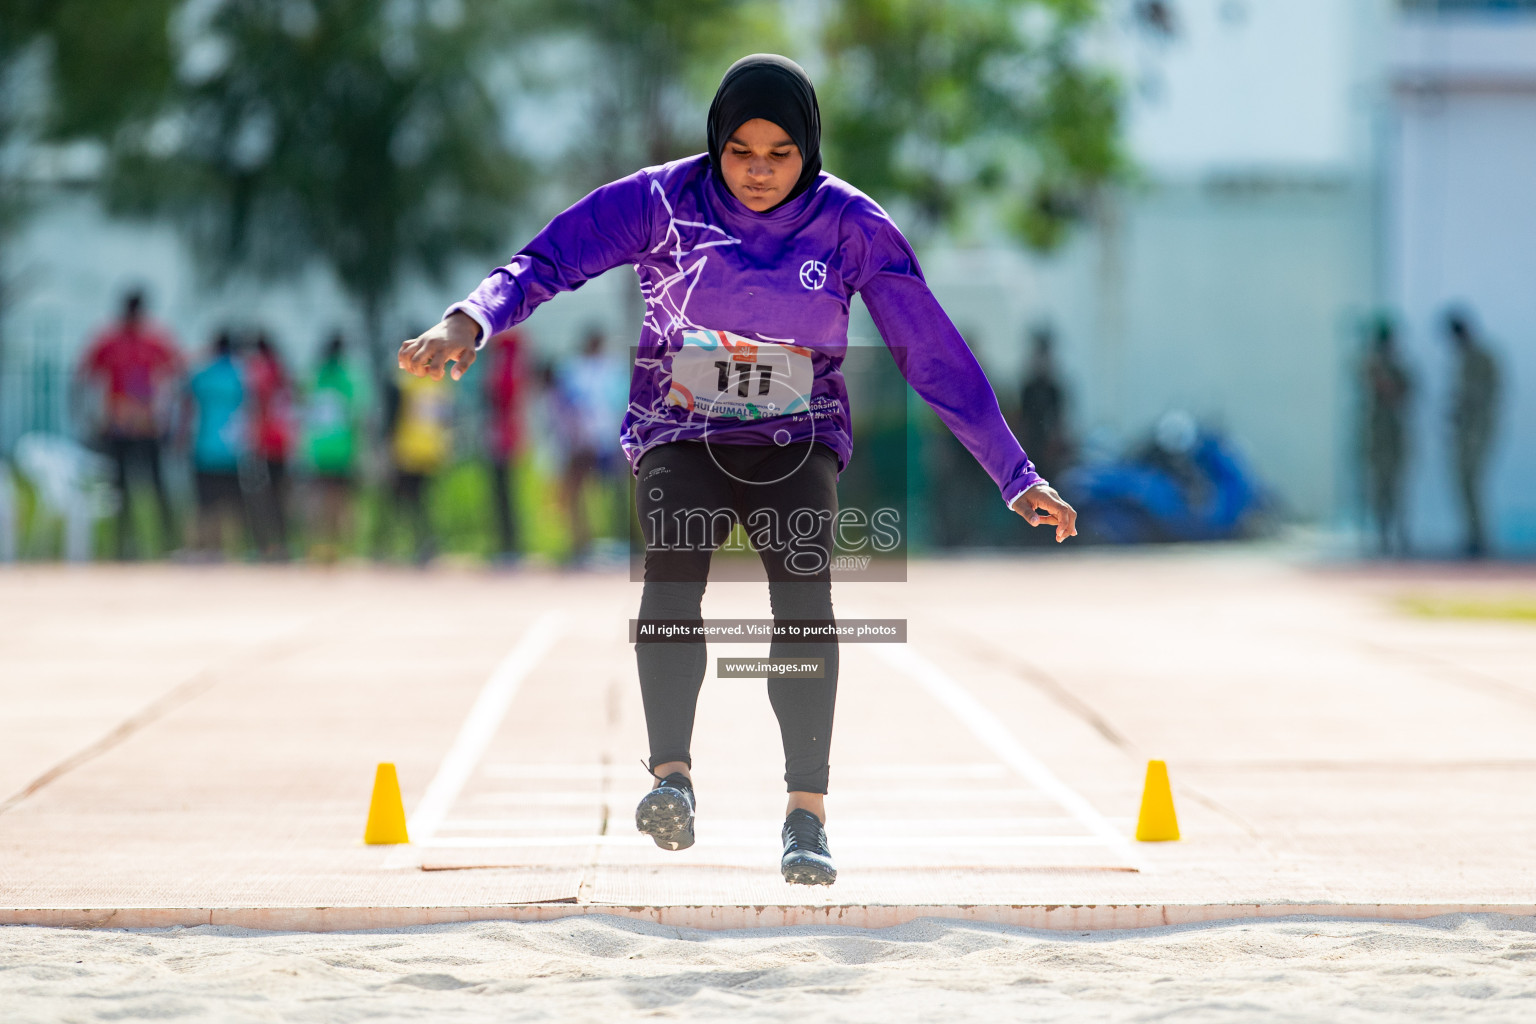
[[216, 397]]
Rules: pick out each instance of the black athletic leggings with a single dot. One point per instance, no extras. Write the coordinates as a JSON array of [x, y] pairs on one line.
[[689, 496]]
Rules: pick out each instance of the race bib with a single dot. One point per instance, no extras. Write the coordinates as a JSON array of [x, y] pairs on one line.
[[717, 373]]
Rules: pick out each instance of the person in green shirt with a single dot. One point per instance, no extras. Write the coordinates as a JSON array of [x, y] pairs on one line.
[[330, 444]]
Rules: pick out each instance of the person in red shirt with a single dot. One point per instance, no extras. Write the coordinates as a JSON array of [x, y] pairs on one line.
[[271, 395], [503, 405], [137, 368]]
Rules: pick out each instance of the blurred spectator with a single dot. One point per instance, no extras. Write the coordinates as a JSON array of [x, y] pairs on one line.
[[137, 367], [1473, 413], [503, 403], [271, 422], [1157, 17], [216, 395], [554, 419], [595, 388], [8, 525], [1388, 391], [418, 417], [331, 432], [1043, 427]]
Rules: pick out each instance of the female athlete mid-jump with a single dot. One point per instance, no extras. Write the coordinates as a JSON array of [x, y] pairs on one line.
[[748, 257]]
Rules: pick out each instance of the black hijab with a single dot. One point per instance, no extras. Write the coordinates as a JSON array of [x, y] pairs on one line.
[[776, 89]]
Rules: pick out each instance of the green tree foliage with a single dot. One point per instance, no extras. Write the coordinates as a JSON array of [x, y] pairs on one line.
[[68, 68], [18, 36], [953, 105], [351, 133], [109, 62], [71, 69], [649, 68]]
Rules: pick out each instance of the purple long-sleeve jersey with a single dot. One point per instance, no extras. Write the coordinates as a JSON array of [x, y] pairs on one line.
[[746, 314]]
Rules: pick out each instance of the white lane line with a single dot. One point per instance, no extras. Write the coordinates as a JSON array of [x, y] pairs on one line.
[[515, 826], [516, 842], [533, 798], [978, 794], [861, 772], [846, 794], [479, 729], [847, 824], [873, 772], [958, 843], [543, 770], [991, 731]]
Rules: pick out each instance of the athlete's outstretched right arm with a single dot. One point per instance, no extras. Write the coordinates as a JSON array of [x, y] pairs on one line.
[[610, 227]]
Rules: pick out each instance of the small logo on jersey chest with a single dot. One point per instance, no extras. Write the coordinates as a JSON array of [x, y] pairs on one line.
[[813, 274]]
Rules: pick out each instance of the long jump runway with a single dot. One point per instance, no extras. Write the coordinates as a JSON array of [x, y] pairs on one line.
[[191, 746]]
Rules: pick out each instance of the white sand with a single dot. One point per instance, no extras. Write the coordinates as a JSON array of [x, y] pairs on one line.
[[606, 969]]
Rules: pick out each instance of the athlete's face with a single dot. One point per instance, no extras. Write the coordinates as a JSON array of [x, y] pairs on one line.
[[760, 164]]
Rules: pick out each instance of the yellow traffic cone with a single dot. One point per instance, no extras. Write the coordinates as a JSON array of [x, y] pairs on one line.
[[1157, 822], [386, 812]]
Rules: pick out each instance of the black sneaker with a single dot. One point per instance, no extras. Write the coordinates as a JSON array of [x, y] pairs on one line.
[[807, 861], [666, 813]]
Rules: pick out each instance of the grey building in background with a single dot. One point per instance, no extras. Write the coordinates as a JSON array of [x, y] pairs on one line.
[[1460, 201]]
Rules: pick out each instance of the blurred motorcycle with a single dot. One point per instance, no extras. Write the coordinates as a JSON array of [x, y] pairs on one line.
[[1186, 483]]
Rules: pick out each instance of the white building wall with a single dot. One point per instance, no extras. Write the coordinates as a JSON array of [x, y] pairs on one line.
[[1463, 230], [1251, 83]]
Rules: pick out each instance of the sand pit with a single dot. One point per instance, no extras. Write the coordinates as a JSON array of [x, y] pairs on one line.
[[607, 969]]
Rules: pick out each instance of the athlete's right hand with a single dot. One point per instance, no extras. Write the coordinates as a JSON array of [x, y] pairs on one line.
[[1042, 506], [452, 341]]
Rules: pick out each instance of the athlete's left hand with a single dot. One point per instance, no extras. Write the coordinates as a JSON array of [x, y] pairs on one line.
[[1042, 506]]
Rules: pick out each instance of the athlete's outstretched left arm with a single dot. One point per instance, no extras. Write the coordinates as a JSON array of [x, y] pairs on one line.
[[939, 365]]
